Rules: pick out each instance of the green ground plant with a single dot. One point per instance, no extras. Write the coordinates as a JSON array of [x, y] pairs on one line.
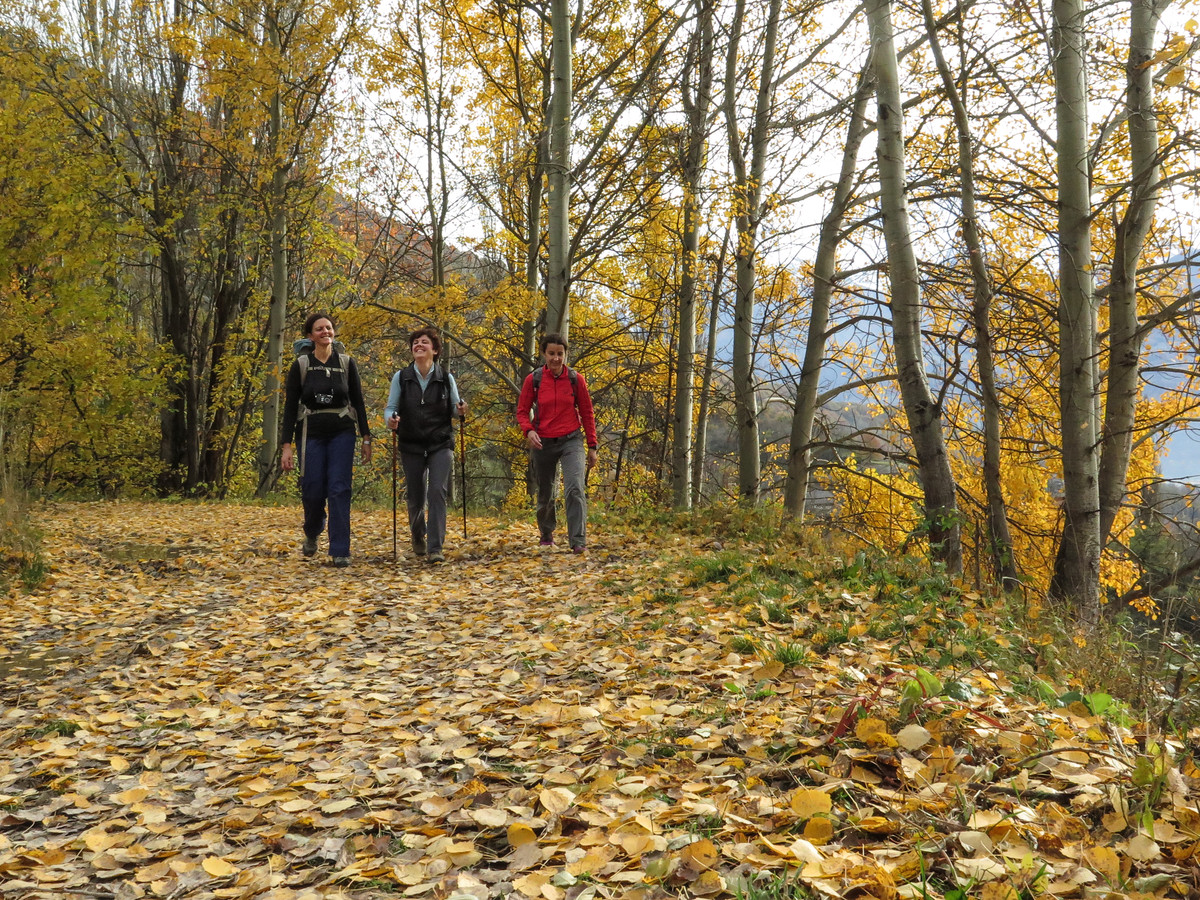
[[773, 886], [934, 622]]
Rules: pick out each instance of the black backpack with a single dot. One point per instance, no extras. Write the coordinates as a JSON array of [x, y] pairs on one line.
[[301, 348]]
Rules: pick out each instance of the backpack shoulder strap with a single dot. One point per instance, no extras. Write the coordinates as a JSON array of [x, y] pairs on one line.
[[537, 377], [343, 361], [537, 386], [537, 383]]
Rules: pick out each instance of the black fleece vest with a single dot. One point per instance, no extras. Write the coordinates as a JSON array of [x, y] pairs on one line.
[[426, 418]]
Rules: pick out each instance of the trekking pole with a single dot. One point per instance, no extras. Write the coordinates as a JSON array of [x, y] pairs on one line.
[[462, 460], [395, 453]]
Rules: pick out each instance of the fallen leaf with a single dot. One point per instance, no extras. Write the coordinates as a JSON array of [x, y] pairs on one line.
[[218, 867], [806, 802], [520, 833]]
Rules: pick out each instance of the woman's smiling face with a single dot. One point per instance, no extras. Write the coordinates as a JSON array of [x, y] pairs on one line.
[[422, 348], [322, 332]]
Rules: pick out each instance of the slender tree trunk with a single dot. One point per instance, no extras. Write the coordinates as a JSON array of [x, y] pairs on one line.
[[748, 193], [630, 410], [181, 421], [696, 103], [999, 540], [795, 491], [923, 412], [437, 194], [559, 195], [533, 247], [533, 216], [1077, 566], [706, 376], [227, 307], [277, 315], [1125, 336], [174, 417], [529, 335]]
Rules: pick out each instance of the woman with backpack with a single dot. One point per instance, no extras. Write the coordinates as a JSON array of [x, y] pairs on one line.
[[422, 402], [555, 412], [324, 410]]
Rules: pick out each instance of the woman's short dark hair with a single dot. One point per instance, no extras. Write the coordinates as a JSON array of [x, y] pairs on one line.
[[316, 317], [554, 338], [434, 338]]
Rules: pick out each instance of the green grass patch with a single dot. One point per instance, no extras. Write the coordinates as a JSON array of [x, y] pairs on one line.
[[785, 885], [705, 826], [743, 644], [665, 597], [789, 654], [777, 612], [827, 638], [719, 568], [60, 727]]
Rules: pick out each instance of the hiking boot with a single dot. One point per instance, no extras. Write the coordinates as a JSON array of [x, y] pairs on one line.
[[341, 561], [418, 546], [310, 546], [437, 556]]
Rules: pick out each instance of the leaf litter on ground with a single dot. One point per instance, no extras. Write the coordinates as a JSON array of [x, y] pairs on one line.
[[192, 709]]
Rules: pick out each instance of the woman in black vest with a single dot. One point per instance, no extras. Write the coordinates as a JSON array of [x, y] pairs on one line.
[[323, 409], [422, 403]]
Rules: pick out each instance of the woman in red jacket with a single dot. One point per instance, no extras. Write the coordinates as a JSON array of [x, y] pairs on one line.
[[555, 412]]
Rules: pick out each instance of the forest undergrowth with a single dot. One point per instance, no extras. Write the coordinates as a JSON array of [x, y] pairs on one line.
[[699, 707]]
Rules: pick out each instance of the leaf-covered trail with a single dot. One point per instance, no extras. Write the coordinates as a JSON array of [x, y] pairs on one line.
[[193, 710], [240, 703]]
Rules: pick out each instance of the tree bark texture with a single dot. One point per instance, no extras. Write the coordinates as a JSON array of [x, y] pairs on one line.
[[999, 539], [697, 95], [1076, 576], [921, 408], [1125, 335], [277, 314], [707, 374], [796, 487], [559, 194], [748, 213]]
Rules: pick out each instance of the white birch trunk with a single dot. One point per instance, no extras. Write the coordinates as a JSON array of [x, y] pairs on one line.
[[696, 101], [748, 193], [1077, 567], [922, 410], [1125, 336], [795, 492], [558, 196], [277, 315], [999, 539]]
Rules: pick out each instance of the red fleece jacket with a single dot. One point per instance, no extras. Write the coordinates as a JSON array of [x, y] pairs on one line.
[[558, 412]]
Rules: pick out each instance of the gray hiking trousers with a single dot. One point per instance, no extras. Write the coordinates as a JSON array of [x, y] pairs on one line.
[[571, 452]]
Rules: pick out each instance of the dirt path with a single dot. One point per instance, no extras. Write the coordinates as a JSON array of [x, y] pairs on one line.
[[194, 710], [190, 709]]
